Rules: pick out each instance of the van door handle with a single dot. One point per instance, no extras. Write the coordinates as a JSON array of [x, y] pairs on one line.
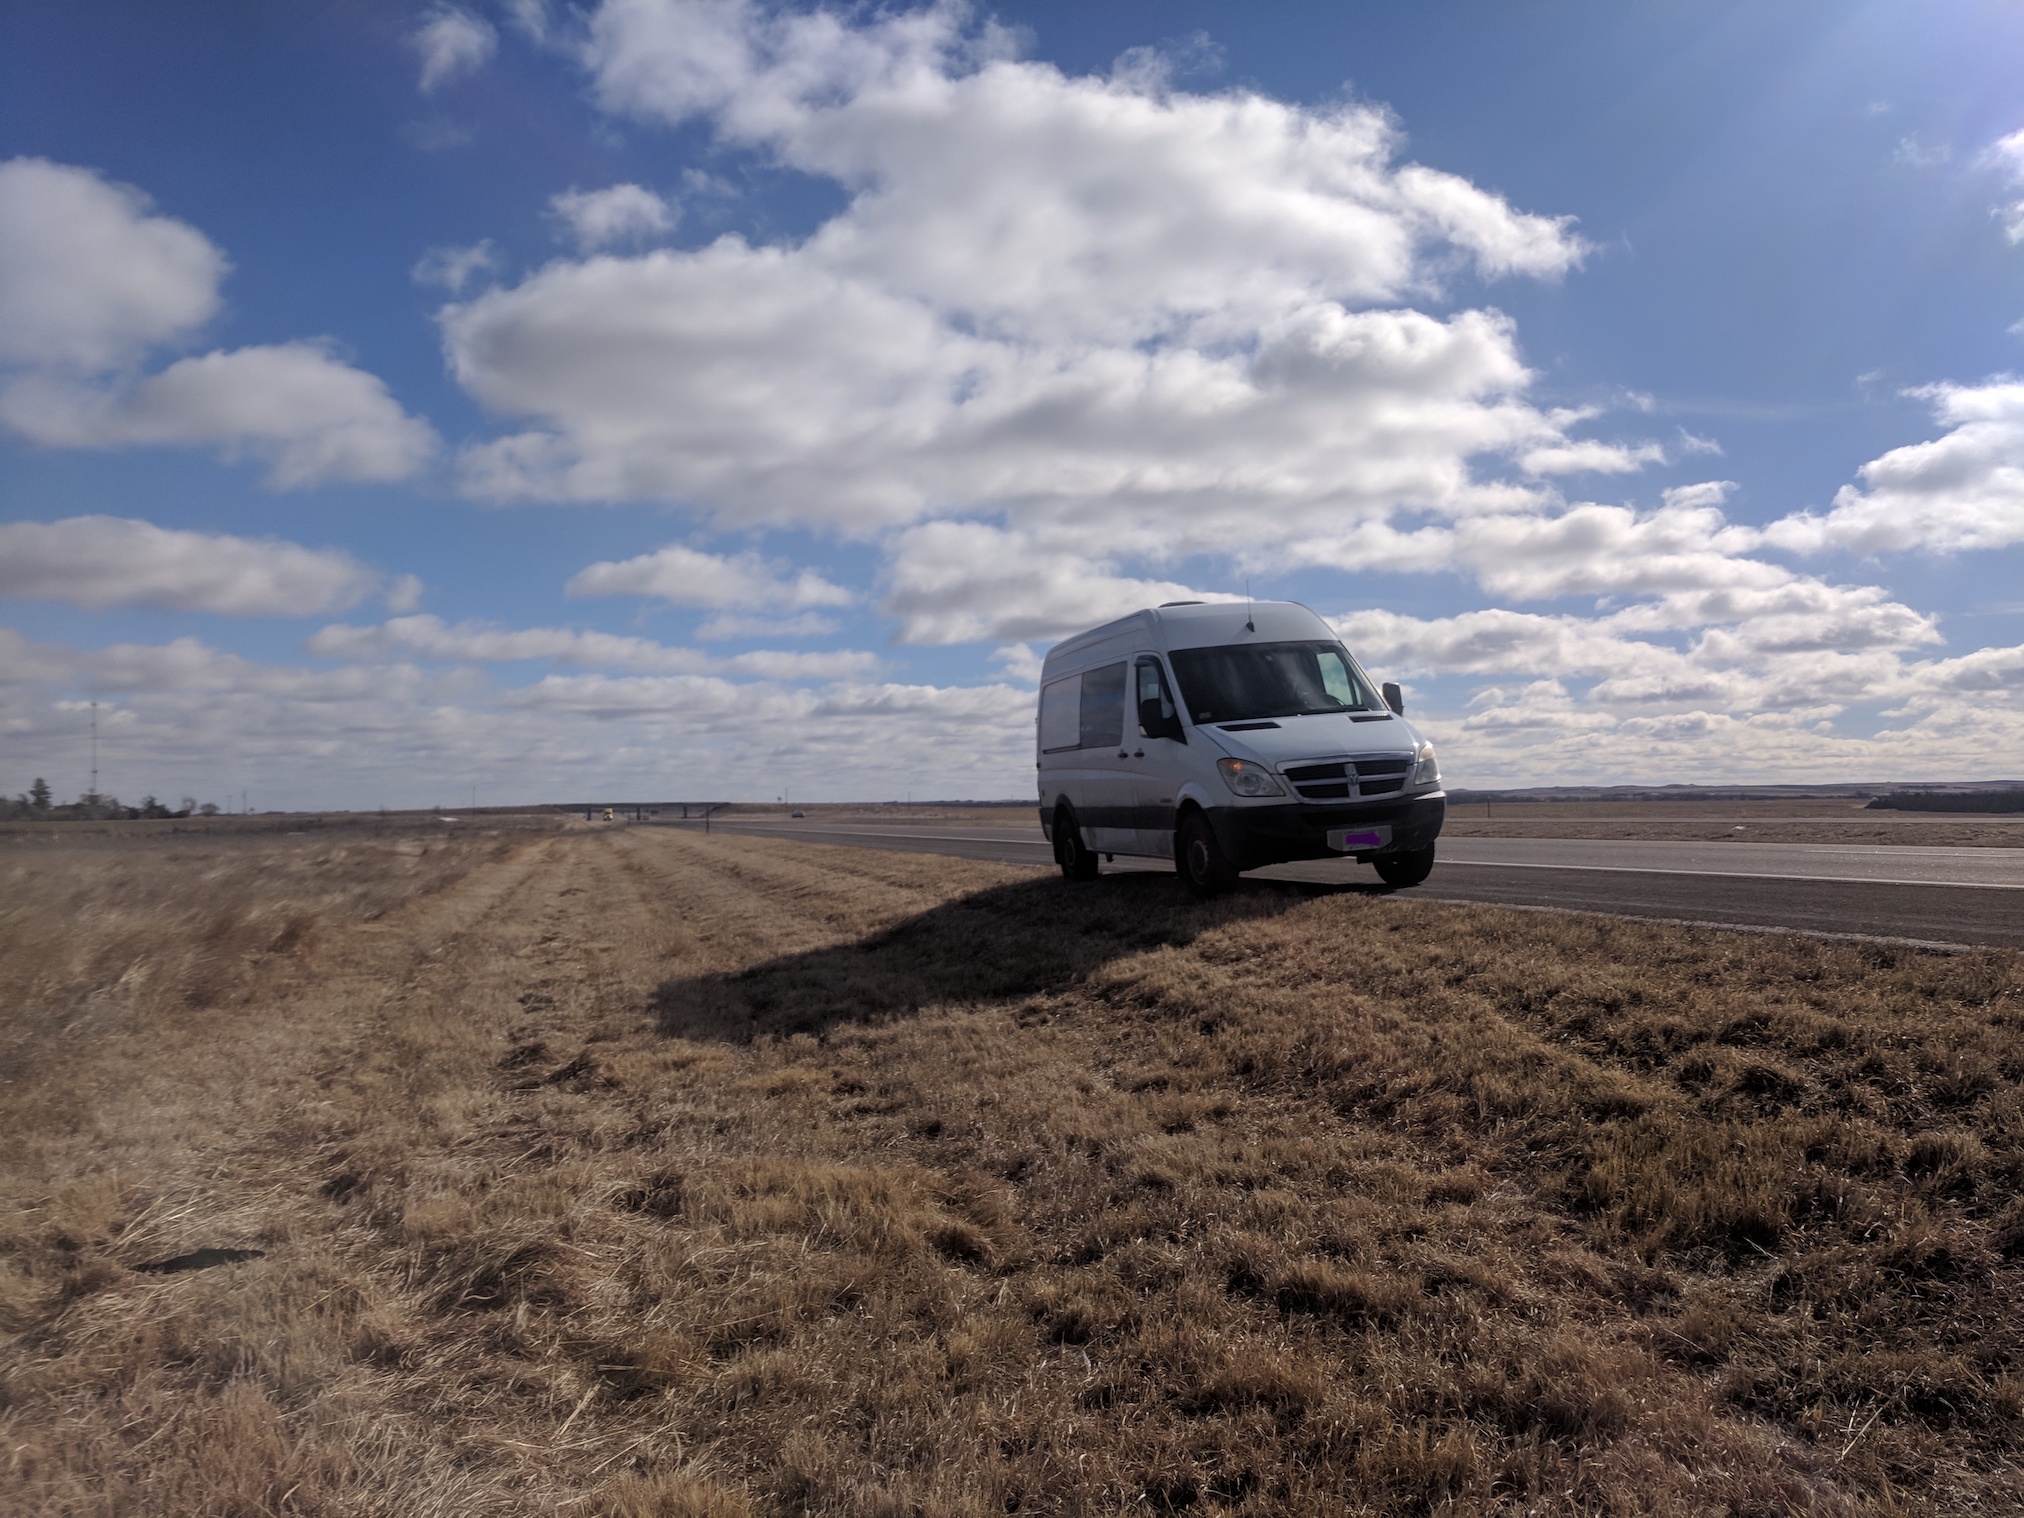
[[1138, 753], [1122, 754]]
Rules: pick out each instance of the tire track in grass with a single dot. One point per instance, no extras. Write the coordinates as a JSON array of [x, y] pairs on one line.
[[747, 898], [241, 1377], [548, 990], [450, 1191]]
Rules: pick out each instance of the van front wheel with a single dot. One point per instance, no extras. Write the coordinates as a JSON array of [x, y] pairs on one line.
[[1070, 852], [1205, 868], [1408, 867]]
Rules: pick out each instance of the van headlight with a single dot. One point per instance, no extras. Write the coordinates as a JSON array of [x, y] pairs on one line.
[[1247, 779], [1427, 769]]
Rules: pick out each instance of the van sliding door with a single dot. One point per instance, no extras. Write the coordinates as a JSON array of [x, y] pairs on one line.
[[1156, 777], [1104, 773], [1087, 739]]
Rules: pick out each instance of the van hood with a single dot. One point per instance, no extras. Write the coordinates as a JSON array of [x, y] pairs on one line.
[[1325, 735]]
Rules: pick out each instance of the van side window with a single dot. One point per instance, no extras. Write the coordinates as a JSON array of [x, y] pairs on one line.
[[1155, 707], [1061, 715], [1102, 707]]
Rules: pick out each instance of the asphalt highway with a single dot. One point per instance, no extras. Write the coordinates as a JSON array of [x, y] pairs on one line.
[[1923, 895]]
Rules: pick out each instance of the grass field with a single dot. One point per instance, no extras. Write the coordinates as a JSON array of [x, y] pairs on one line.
[[633, 1172]]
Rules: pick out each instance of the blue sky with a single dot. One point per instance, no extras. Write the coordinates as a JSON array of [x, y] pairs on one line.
[[720, 399]]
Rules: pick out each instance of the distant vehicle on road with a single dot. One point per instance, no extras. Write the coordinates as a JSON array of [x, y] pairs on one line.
[[1228, 737], [797, 812], [607, 814]]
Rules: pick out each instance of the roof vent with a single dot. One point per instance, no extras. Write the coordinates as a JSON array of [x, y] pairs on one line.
[[1165, 604]]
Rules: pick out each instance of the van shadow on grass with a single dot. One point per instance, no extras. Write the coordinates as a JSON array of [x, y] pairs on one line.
[[1000, 944]]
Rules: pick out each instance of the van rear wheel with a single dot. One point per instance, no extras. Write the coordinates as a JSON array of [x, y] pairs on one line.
[[1205, 868], [1070, 852], [1408, 867]]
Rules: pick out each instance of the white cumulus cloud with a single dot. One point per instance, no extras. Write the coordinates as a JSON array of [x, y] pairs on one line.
[[738, 379], [717, 582], [451, 268], [1046, 295], [1955, 493], [1591, 457], [619, 213], [91, 281], [962, 582], [428, 637], [452, 42], [102, 561], [1104, 206], [90, 278], [2006, 156], [1021, 662], [310, 415]]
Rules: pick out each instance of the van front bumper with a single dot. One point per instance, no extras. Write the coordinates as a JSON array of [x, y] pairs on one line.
[[1255, 836]]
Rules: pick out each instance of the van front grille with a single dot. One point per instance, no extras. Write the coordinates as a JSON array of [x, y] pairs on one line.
[[1330, 782], [1300, 772], [1380, 777]]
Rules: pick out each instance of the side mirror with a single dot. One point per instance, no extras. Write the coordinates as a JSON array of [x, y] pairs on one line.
[[1394, 698], [1156, 724]]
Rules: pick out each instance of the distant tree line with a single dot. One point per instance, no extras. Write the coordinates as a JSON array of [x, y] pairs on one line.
[[36, 804], [2011, 800]]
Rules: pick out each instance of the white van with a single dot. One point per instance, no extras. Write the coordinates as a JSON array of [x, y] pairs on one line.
[[1227, 737]]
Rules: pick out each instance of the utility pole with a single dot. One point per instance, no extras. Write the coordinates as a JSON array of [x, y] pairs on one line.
[[94, 753]]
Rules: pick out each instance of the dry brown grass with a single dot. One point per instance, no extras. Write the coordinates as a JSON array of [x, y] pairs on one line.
[[637, 1172]]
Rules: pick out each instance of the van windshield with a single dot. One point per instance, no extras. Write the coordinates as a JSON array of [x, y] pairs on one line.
[[1235, 684]]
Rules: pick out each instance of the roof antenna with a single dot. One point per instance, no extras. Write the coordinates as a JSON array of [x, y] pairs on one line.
[[1250, 626]]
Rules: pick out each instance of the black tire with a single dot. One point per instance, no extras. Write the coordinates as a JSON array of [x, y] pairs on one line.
[[1408, 867], [1070, 852], [1204, 867]]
